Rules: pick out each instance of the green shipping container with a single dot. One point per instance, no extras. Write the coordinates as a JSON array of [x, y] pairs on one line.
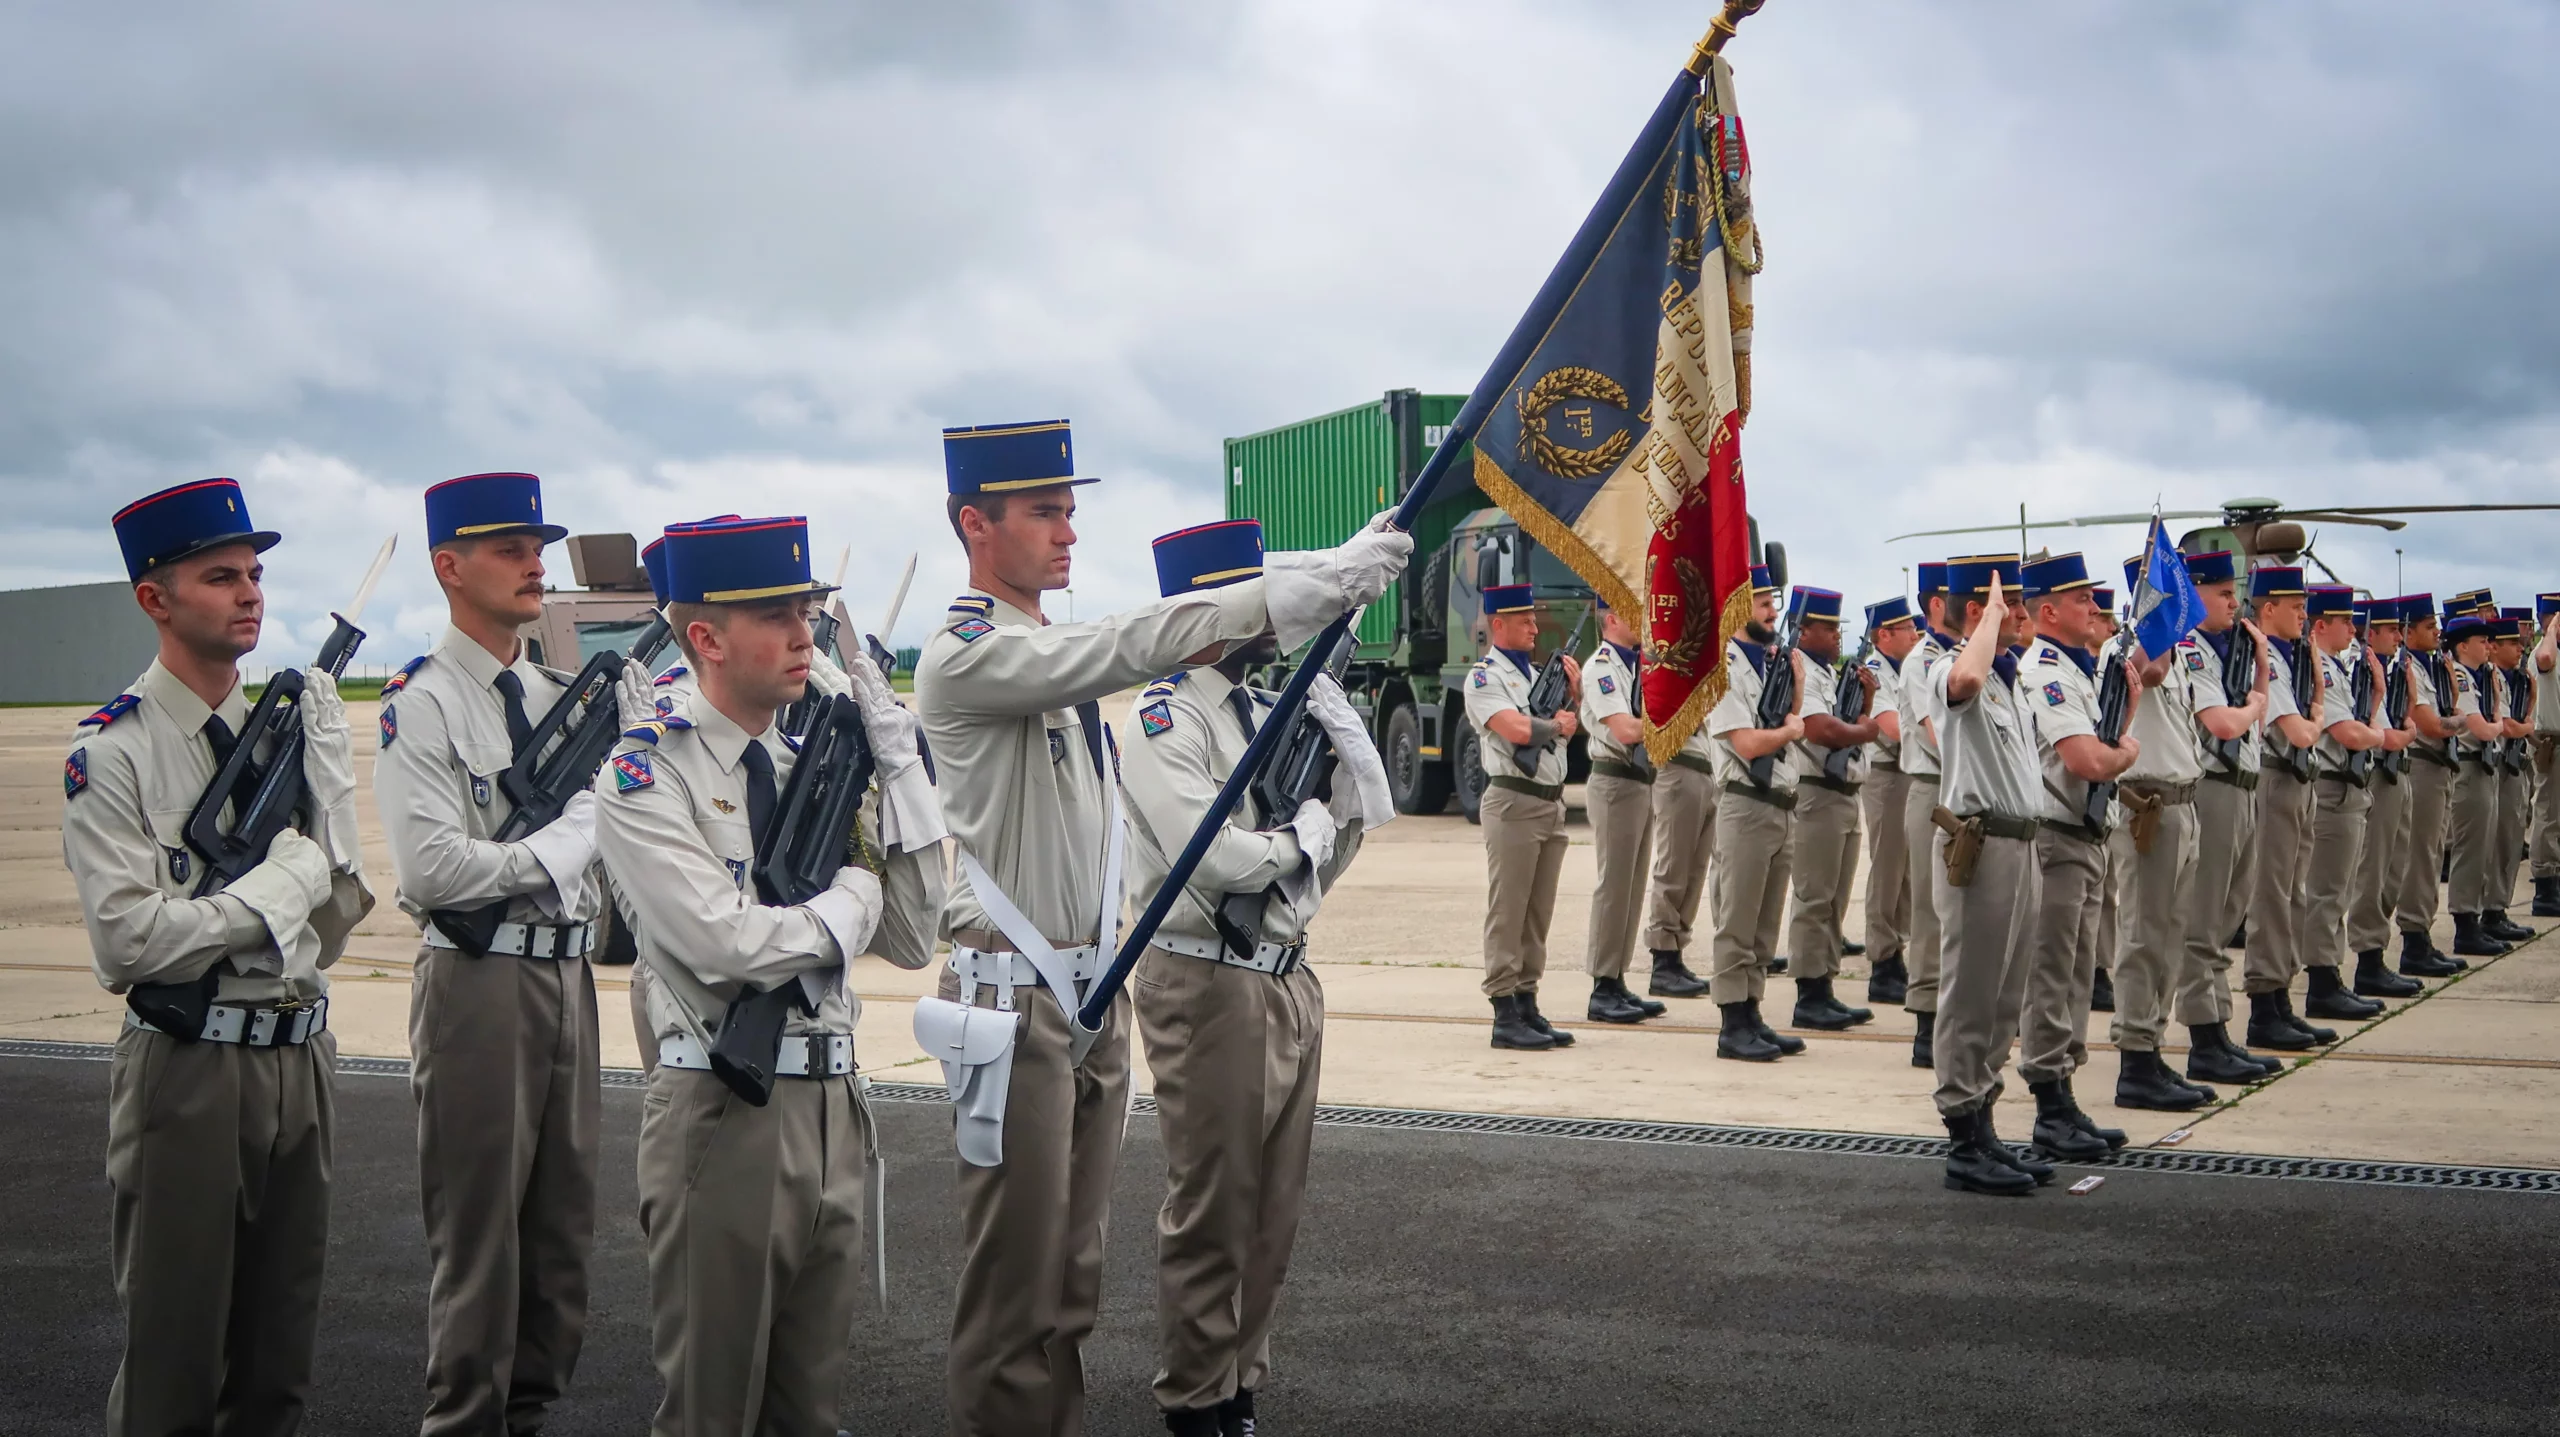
[[1315, 482]]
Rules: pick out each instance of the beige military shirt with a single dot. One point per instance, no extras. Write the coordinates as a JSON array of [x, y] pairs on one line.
[[1887, 699], [998, 689], [1496, 684], [134, 772], [672, 828], [2337, 705], [2164, 723], [1609, 691], [1740, 709], [1988, 746], [1821, 694], [1915, 701], [2205, 690], [2546, 696], [1190, 738], [2282, 702], [444, 745], [2063, 697]]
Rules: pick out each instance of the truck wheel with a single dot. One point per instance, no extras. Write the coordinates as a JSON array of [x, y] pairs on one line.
[[1420, 785], [1469, 765]]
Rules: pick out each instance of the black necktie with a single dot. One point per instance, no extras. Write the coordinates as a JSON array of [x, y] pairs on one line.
[[519, 728], [219, 734], [1242, 703], [760, 802]]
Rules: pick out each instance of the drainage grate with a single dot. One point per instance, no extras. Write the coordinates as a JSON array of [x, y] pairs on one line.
[[1692, 1135]]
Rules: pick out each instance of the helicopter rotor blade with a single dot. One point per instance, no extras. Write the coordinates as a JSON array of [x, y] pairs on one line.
[[2334, 509], [2085, 521], [2338, 516]]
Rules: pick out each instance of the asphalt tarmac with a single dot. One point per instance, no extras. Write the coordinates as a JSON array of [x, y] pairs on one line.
[[1474, 1284]]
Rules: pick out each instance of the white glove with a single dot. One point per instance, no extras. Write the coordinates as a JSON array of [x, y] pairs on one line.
[[566, 849], [850, 912], [891, 728], [1314, 828], [1362, 775], [284, 890], [329, 769], [826, 675], [635, 699], [1306, 589]]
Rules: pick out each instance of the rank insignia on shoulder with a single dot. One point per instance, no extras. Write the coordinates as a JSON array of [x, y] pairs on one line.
[[116, 708], [2053, 694], [971, 630], [390, 725], [75, 773], [656, 728], [1608, 684], [670, 676], [980, 604], [1156, 718], [631, 770], [400, 680], [1161, 688]]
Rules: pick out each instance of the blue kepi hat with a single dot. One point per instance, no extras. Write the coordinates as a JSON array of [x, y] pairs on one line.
[[739, 561], [1510, 599], [477, 506], [1208, 556], [1000, 458], [186, 519]]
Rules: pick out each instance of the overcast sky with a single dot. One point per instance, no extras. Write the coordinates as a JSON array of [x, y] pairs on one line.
[[689, 258]]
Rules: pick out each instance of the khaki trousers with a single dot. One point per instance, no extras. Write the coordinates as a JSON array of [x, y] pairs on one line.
[[2276, 904], [1823, 861], [2474, 839], [2158, 910], [1748, 894], [2062, 963], [1235, 1055], [1524, 845], [1621, 812], [2338, 814], [2418, 889], [2386, 838], [1990, 931], [1923, 940], [753, 1221], [2217, 899], [1032, 1227], [1684, 823], [2546, 807], [2515, 826], [1888, 863], [504, 1070], [641, 1028], [218, 1162]]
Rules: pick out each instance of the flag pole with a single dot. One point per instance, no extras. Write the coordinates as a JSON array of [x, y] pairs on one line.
[[1634, 170]]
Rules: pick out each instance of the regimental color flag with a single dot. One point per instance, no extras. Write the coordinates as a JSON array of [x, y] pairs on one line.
[[1611, 421], [2166, 606]]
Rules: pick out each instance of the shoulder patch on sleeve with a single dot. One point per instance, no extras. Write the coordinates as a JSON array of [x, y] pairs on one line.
[[2195, 657], [116, 708], [75, 773], [670, 676], [1608, 684], [1481, 678], [2053, 694], [631, 770], [972, 629], [1156, 718], [400, 680], [390, 725]]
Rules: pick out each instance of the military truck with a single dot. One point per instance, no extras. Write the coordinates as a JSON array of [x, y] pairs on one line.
[[608, 609], [1314, 482]]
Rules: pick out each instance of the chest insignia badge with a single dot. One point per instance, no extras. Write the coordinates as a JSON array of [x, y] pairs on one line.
[[1057, 746], [480, 790], [724, 805], [178, 865]]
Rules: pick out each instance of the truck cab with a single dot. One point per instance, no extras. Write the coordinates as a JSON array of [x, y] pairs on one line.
[[608, 609]]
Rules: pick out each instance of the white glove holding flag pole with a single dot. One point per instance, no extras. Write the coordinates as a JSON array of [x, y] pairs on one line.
[[329, 768], [1306, 589], [1357, 758]]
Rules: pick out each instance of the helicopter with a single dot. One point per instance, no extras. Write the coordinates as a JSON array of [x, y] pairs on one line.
[[2260, 531]]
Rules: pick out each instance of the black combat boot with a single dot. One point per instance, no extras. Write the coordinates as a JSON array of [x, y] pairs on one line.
[[2471, 941], [1741, 1036], [2058, 1134], [1512, 1029], [2498, 925], [2113, 1137], [1235, 1416], [2143, 1081], [2267, 1067], [1888, 979], [2034, 1167], [2546, 895], [1850, 949], [1192, 1422], [2421, 958], [1528, 998], [1786, 1045], [1971, 1167], [2374, 978], [2268, 1027], [2329, 998], [1612, 1003], [2317, 1034], [1818, 1010], [2102, 993], [1924, 1044], [1672, 978], [2211, 1057], [1778, 965]]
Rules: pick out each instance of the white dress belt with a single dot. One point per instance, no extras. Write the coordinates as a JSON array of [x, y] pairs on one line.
[[803, 1055], [529, 940], [1277, 959], [255, 1027], [1015, 970]]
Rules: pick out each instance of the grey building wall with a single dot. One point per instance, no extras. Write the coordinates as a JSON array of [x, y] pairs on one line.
[[77, 644]]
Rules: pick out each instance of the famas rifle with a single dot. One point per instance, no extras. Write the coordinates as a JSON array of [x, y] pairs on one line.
[[2360, 697], [1777, 697], [1849, 706], [2239, 678], [811, 834], [2114, 710], [2397, 679], [1547, 694], [2306, 699]]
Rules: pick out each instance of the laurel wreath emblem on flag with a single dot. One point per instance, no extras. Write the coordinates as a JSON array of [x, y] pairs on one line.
[[1556, 385]]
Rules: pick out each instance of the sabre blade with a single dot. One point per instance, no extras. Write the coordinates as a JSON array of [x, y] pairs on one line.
[[898, 600], [372, 576], [842, 560]]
